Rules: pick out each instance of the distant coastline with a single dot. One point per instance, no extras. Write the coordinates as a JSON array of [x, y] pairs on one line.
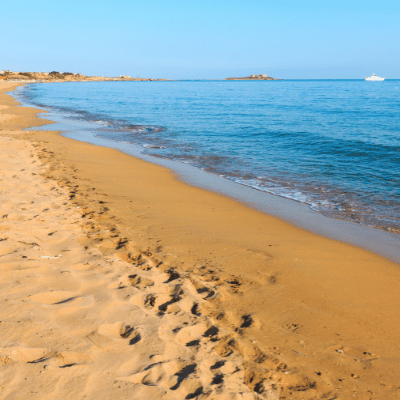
[[56, 76]]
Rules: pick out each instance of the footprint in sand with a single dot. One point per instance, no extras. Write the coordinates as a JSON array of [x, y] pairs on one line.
[[23, 354], [70, 358], [188, 335], [55, 297], [120, 330]]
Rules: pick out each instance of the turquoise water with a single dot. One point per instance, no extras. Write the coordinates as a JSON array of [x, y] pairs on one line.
[[334, 145]]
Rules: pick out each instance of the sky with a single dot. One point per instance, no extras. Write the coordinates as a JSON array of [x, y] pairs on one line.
[[210, 39]]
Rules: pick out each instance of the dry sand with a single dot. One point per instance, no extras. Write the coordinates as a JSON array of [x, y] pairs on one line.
[[120, 282]]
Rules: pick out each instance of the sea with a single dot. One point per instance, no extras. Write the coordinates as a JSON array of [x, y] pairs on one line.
[[333, 145]]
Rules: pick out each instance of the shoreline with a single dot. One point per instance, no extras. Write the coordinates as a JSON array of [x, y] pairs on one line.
[[300, 214], [319, 310], [294, 212]]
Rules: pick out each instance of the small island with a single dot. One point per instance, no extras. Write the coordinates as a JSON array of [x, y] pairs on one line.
[[254, 78]]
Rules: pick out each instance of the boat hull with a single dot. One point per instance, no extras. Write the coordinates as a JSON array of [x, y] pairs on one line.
[[374, 79]]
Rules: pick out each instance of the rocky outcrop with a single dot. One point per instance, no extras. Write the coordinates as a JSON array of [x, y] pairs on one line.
[[254, 78]]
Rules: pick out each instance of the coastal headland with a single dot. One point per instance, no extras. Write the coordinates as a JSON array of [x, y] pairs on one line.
[[120, 281], [55, 76]]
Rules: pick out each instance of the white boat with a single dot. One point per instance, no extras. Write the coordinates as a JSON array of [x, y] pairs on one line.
[[374, 78]]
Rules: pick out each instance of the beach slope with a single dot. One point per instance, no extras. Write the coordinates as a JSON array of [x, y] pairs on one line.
[[119, 281]]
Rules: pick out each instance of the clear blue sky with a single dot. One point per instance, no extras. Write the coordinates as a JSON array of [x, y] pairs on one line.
[[202, 39]]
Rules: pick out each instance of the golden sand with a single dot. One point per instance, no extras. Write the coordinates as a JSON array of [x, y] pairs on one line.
[[119, 281]]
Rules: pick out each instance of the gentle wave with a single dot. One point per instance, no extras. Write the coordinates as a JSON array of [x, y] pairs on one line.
[[334, 145]]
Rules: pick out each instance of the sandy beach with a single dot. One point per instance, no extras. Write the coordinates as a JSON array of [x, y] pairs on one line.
[[118, 281]]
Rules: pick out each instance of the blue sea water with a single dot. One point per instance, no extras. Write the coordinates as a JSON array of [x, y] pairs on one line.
[[333, 144]]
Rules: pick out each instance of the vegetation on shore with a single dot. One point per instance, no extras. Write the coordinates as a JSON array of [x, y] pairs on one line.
[[55, 76]]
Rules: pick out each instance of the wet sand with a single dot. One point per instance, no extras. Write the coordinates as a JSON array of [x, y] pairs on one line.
[[120, 281]]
